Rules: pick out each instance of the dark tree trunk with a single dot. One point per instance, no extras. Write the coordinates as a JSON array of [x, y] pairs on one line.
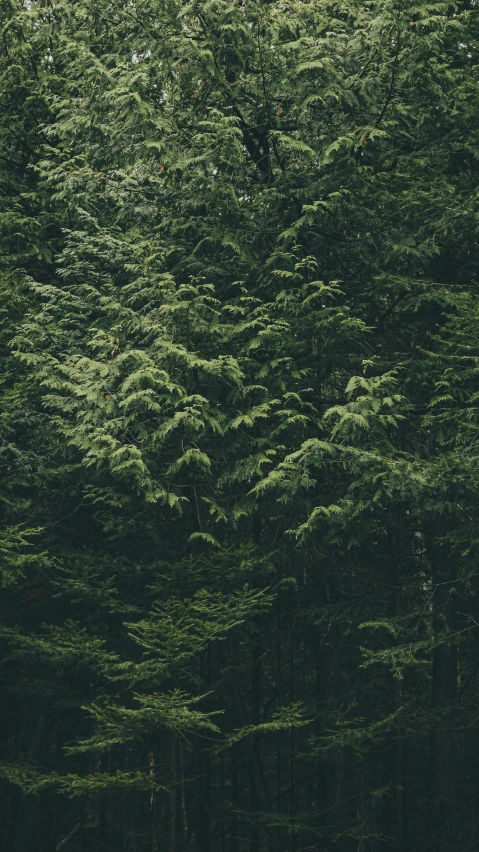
[[204, 765], [253, 755], [444, 740]]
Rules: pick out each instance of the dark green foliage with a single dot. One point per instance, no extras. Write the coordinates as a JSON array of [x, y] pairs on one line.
[[239, 425]]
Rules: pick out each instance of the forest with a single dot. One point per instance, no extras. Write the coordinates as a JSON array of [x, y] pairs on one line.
[[239, 425]]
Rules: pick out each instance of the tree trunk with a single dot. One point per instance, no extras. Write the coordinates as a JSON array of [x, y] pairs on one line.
[[172, 796], [204, 761], [253, 756], [444, 740]]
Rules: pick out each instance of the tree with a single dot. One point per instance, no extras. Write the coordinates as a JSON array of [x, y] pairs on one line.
[[240, 427]]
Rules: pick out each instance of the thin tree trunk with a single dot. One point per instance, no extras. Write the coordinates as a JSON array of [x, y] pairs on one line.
[[204, 794], [235, 798], [327, 768], [172, 796], [253, 758], [444, 740], [292, 742], [154, 835]]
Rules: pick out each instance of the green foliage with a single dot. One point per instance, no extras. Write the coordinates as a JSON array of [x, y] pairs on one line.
[[238, 425]]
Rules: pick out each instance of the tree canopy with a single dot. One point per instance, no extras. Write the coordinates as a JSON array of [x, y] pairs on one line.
[[239, 423]]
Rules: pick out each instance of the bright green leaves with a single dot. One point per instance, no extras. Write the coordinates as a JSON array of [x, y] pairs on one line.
[[16, 556], [118, 725], [368, 408], [285, 718]]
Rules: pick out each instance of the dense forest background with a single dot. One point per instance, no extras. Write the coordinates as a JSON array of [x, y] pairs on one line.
[[239, 426]]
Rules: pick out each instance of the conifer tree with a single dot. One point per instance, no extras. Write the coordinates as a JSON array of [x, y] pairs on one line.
[[238, 424]]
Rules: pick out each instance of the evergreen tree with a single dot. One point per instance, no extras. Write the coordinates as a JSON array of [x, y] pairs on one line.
[[238, 424]]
